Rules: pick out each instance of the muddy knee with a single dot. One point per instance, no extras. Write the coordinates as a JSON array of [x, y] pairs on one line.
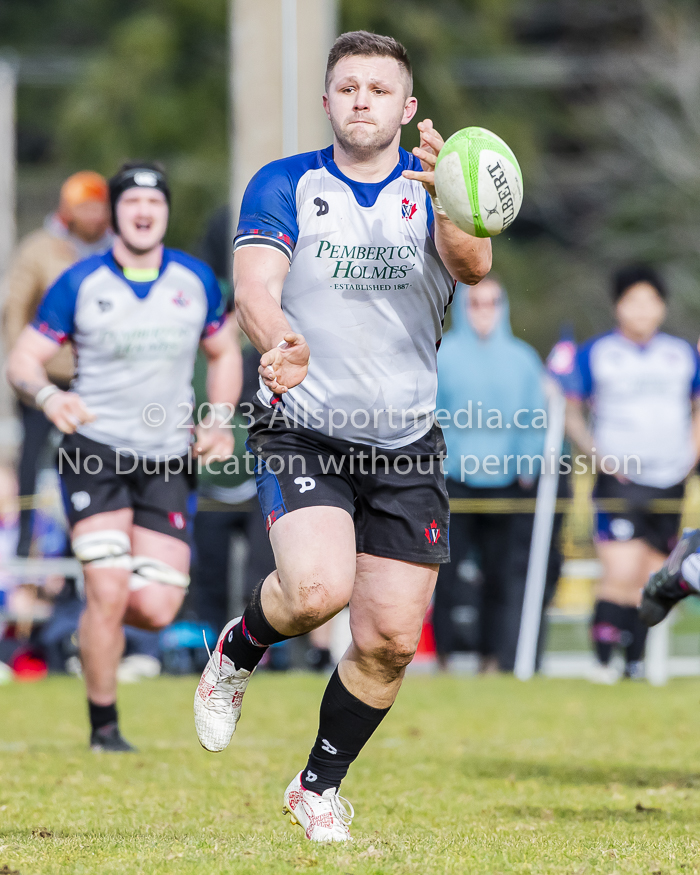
[[393, 654], [312, 604]]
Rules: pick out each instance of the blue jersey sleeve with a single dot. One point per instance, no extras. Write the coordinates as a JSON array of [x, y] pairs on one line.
[[582, 383], [269, 209], [695, 385], [55, 317], [216, 307]]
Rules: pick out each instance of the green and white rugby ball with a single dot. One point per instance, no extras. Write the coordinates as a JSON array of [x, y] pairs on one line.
[[478, 182]]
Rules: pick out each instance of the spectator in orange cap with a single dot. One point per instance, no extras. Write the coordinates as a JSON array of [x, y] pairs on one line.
[[82, 210], [80, 227]]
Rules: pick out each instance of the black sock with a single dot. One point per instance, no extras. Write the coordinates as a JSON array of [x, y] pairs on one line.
[[102, 715], [636, 635], [345, 726], [247, 642], [607, 629]]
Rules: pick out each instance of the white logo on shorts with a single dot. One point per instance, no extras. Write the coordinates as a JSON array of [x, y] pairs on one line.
[[621, 529], [310, 777], [305, 483], [80, 500], [328, 747]]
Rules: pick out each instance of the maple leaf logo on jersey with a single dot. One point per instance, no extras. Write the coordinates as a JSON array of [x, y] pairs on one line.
[[408, 209], [181, 300], [433, 533], [562, 358], [177, 520]]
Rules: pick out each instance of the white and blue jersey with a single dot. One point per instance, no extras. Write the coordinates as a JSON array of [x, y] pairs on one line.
[[135, 345], [366, 287], [641, 401]]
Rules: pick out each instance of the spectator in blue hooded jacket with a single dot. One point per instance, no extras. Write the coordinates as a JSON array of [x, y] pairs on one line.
[[492, 407]]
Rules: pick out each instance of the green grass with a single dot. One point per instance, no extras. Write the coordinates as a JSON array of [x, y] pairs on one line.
[[466, 775]]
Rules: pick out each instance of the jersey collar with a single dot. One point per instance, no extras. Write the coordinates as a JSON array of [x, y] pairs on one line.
[[366, 193], [141, 290], [641, 347]]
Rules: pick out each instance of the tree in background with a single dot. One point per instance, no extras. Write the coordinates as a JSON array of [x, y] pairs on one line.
[[158, 90], [152, 85], [601, 103], [599, 100]]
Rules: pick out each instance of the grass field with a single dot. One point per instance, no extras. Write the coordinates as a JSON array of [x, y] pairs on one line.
[[466, 775]]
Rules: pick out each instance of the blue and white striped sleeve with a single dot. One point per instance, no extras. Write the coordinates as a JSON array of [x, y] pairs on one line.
[[269, 213]]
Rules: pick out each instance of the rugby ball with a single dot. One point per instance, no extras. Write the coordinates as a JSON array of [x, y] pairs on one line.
[[478, 182]]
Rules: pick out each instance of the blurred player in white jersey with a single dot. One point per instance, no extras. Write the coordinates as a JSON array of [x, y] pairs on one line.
[[641, 386], [344, 267], [135, 316]]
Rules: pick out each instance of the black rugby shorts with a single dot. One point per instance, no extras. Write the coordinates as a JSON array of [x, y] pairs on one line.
[[397, 498], [636, 518], [94, 481]]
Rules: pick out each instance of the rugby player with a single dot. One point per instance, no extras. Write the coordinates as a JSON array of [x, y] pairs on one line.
[[135, 316], [642, 387], [344, 267]]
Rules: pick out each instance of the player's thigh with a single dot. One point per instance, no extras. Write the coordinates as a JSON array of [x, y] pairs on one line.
[[172, 551], [654, 560], [160, 577], [389, 602], [308, 513], [111, 520], [106, 588], [315, 553], [624, 566]]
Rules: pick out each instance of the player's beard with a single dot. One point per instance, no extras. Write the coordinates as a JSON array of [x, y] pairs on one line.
[[368, 141]]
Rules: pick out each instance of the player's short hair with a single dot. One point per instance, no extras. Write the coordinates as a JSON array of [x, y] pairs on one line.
[[362, 42], [631, 274]]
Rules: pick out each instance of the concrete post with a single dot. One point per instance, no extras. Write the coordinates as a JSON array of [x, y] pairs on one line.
[[7, 162], [8, 81], [278, 59]]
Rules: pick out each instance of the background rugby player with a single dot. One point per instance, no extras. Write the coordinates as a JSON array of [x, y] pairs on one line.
[[641, 386], [135, 316], [344, 267]]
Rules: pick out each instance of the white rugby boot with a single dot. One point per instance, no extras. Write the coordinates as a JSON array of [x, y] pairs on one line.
[[218, 698], [324, 818]]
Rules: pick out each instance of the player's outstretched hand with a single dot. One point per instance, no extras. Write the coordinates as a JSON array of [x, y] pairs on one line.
[[285, 366], [67, 411], [430, 144], [214, 443]]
